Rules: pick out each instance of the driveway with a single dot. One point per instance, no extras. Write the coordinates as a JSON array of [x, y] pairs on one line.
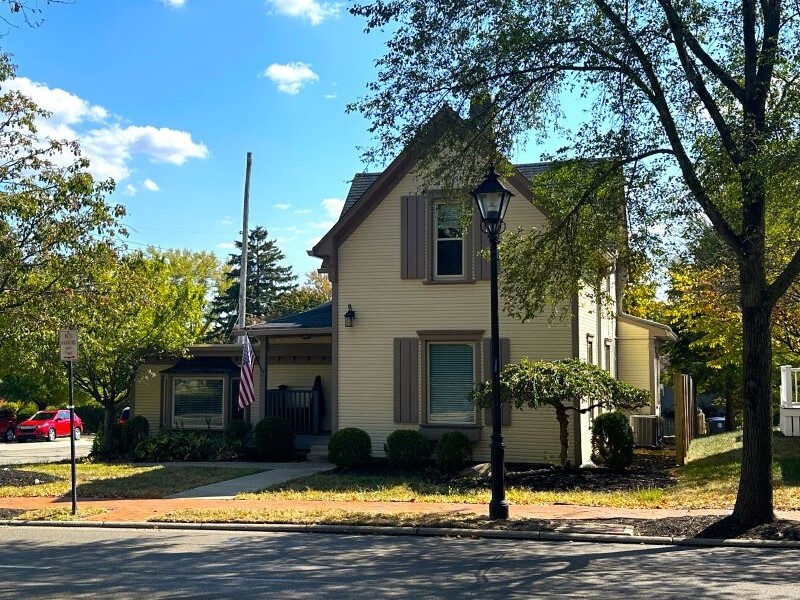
[[17, 453]]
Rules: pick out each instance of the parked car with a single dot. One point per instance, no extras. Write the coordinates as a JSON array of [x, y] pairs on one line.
[[8, 425], [124, 415], [48, 425]]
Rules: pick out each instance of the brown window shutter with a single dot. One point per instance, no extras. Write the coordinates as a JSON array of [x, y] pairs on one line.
[[505, 352], [480, 266], [406, 381], [412, 237]]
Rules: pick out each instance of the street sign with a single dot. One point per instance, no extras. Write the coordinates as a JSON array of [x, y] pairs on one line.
[[69, 345]]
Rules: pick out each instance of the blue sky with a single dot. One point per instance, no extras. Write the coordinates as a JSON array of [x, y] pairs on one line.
[[168, 96]]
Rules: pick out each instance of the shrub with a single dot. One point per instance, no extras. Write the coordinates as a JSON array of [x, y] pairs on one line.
[[274, 439], [115, 452], [92, 415], [349, 447], [453, 450], [407, 448], [181, 445], [612, 441], [238, 434], [132, 433]]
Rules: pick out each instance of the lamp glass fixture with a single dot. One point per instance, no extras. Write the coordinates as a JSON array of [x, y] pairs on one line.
[[349, 316]]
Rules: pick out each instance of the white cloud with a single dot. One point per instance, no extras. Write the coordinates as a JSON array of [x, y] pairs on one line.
[[282, 206], [226, 246], [151, 185], [333, 206], [302, 211], [174, 3], [330, 96], [311, 10], [66, 108], [290, 77], [322, 224], [129, 190], [226, 220], [109, 146]]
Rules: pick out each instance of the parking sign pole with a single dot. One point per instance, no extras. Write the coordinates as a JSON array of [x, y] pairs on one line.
[[69, 354], [72, 439]]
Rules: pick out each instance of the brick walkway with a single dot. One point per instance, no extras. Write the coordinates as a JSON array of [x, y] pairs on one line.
[[144, 510]]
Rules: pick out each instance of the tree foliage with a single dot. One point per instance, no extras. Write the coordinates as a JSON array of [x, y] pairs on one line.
[[698, 96], [567, 385], [269, 285]]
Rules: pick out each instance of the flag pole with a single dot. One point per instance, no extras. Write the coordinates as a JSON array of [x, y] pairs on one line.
[[245, 237]]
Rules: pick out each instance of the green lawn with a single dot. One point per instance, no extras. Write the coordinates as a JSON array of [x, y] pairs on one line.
[[709, 480], [98, 480]]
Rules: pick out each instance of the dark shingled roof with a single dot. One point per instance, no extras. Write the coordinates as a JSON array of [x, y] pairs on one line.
[[362, 182], [203, 364], [319, 316], [358, 188]]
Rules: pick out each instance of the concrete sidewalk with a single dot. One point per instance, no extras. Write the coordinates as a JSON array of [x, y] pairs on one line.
[[273, 474]]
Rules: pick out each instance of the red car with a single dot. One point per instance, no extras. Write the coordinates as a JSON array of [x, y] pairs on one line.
[[48, 425], [8, 425]]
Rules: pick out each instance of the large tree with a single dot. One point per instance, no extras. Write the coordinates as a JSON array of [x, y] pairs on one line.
[[269, 285], [666, 81], [140, 306]]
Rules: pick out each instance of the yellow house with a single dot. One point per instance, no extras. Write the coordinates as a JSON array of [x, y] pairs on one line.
[[406, 335]]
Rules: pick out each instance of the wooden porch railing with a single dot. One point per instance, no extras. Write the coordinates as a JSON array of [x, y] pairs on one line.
[[301, 407]]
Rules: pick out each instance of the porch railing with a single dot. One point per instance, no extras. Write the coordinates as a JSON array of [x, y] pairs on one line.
[[302, 408]]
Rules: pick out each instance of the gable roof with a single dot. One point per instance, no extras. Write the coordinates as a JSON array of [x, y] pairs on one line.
[[368, 189]]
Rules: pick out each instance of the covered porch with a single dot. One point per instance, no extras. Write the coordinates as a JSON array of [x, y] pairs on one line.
[[295, 355], [790, 403]]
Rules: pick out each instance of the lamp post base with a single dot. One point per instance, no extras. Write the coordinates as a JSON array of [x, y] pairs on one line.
[[498, 510]]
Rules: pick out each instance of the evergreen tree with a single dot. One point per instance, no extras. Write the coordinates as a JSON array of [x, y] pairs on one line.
[[268, 286]]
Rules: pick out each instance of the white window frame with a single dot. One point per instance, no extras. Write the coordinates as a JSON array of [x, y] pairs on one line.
[[430, 418], [436, 239], [200, 423]]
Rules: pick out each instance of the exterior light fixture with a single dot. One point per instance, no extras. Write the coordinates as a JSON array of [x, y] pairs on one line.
[[349, 316], [492, 199]]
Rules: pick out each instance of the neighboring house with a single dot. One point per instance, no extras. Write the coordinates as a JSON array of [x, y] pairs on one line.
[[400, 263]]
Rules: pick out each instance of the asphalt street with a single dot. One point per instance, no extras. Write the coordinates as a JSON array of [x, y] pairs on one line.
[[130, 563], [17, 453]]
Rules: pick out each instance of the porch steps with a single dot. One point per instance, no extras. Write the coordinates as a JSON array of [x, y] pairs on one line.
[[318, 452]]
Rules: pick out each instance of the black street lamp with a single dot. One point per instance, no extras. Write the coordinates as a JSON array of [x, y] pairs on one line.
[[492, 200]]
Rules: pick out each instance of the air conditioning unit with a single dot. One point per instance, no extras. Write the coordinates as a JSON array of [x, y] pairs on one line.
[[646, 430]]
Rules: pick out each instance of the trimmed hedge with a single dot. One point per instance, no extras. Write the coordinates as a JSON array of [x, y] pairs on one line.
[[350, 447], [407, 449], [273, 439], [612, 441], [453, 450]]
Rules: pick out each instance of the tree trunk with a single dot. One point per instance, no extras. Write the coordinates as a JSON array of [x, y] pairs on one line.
[[563, 429], [754, 498]]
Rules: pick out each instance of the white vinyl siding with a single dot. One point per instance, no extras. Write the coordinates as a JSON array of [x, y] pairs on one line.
[[198, 402], [451, 379]]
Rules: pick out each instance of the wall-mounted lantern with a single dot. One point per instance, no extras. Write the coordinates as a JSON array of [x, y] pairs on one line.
[[349, 316]]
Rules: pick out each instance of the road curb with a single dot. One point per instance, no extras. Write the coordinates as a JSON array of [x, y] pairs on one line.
[[537, 535]]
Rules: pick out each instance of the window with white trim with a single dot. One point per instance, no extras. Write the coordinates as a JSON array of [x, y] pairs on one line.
[[198, 402], [451, 380], [449, 241]]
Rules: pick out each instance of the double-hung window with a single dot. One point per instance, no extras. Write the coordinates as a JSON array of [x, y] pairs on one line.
[[451, 380], [449, 241]]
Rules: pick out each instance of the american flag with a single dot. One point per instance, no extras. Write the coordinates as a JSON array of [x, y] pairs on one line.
[[246, 391]]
